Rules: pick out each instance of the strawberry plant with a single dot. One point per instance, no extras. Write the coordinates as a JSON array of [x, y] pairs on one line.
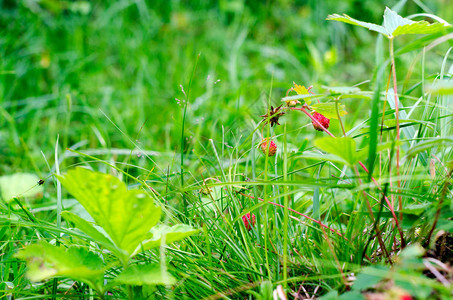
[[125, 225]]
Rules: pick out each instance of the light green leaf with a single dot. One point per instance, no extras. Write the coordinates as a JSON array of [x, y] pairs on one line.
[[45, 261], [349, 20], [397, 25], [342, 89], [125, 215], [89, 230], [394, 24], [329, 110], [19, 185], [144, 275], [172, 234], [343, 148]]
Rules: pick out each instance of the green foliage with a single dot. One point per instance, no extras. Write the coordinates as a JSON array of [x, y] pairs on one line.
[[127, 216], [45, 261], [104, 78], [19, 185], [144, 275], [344, 148], [394, 24], [329, 110]]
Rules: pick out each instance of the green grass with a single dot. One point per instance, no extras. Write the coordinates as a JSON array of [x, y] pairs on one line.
[[170, 94]]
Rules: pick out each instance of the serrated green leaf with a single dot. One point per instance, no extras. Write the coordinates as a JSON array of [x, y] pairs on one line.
[[45, 261], [125, 215], [172, 234], [89, 230], [392, 21], [397, 25], [349, 20], [394, 24], [144, 275], [19, 184], [343, 148], [329, 110]]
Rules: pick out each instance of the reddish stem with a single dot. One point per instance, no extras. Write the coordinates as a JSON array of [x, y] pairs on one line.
[[364, 168], [296, 212]]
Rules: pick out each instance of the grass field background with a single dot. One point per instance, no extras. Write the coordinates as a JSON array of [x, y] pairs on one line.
[[171, 93]]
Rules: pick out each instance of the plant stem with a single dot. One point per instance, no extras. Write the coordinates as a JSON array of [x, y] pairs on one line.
[[439, 207], [285, 202], [366, 170], [296, 212], [339, 117], [395, 92]]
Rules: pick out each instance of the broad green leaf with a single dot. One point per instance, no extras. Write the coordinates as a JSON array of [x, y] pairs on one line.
[[342, 147], [172, 234], [45, 261], [89, 230], [125, 215], [397, 25], [19, 185], [347, 19], [342, 89], [329, 110], [144, 275], [394, 24]]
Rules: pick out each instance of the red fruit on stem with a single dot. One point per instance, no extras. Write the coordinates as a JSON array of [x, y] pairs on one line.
[[322, 120], [264, 147], [249, 222]]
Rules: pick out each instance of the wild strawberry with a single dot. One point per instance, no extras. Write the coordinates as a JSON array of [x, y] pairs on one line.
[[321, 119], [272, 147], [249, 222]]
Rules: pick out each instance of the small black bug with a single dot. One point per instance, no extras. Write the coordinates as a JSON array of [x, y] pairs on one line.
[[40, 182]]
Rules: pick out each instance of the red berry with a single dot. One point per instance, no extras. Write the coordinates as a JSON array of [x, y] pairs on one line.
[[322, 120], [272, 147], [248, 222], [406, 297]]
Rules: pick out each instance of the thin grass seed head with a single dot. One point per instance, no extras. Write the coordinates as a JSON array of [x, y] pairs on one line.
[[249, 221], [268, 150], [322, 120]]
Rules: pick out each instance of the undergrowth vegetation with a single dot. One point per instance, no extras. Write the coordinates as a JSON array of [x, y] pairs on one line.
[[229, 150]]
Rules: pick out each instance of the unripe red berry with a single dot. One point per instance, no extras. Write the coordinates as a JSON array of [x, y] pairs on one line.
[[322, 120], [249, 222], [264, 147]]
